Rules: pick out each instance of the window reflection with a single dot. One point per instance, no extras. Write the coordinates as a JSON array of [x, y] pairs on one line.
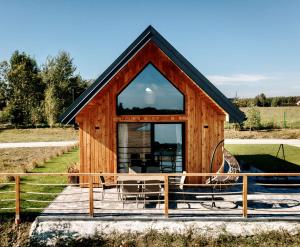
[[150, 93]]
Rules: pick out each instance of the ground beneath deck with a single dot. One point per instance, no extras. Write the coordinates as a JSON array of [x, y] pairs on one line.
[[268, 209]]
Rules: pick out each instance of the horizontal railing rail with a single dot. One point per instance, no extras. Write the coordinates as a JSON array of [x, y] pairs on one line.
[[169, 190]]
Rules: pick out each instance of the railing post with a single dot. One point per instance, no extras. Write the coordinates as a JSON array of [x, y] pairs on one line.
[[166, 185], [91, 196], [245, 196], [17, 203]]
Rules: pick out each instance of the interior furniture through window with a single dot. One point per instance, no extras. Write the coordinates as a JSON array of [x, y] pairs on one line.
[[150, 147]]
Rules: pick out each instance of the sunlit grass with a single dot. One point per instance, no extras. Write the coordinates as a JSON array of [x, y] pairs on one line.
[[56, 165], [38, 134], [264, 157]]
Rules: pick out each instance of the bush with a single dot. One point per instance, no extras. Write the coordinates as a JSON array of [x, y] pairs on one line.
[[4, 116], [253, 121], [73, 168]]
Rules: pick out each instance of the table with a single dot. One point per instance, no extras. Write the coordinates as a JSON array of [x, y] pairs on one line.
[[139, 178]]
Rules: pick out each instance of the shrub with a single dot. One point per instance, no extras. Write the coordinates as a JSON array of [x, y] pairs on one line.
[[253, 119], [73, 168], [4, 116]]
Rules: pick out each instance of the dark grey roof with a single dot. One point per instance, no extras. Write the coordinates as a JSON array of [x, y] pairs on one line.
[[235, 115]]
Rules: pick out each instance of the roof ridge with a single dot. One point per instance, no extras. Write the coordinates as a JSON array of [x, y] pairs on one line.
[[150, 33]]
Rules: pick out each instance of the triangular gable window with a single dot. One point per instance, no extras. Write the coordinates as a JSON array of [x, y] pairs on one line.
[[150, 93]]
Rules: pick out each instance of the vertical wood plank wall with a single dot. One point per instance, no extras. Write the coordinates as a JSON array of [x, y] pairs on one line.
[[204, 120]]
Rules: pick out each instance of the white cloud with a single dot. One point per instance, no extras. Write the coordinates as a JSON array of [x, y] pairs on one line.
[[236, 78]]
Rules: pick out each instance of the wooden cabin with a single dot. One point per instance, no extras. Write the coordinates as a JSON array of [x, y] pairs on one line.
[[150, 111]]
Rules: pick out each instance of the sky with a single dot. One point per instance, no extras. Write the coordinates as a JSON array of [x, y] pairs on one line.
[[243, 47]]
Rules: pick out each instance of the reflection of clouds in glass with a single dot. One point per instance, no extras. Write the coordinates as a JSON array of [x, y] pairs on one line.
[[168, 133], [149, 96], [151, 89]]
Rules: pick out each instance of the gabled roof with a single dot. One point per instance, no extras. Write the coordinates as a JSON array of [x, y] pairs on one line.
[[150, 34]]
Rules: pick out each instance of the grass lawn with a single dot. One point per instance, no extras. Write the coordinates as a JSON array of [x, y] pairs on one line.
[[264, 157], [57, 164], [38, 134], [12, 235]]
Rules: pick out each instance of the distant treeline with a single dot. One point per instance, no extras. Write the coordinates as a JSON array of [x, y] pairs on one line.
[[262, 100], [32, 95]]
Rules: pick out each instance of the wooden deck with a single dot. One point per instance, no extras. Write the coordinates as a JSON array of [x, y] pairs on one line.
[[262, 202], [254, 196]]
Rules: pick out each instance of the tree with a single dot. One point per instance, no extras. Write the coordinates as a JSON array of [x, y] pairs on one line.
[[253, 118], [51, 105], [260, 100], [26, 90], [63, 85], [4, 68], [275, 101]]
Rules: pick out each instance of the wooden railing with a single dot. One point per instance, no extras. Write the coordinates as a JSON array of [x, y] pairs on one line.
[[166, 182]]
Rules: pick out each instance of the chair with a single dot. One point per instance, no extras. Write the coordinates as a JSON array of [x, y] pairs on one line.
[[151, 165], [130, 188], [233, 167], [152, 169], [170, 165], [152, 188], [136, 163], [178, 186], [223, 182], [103, 186]]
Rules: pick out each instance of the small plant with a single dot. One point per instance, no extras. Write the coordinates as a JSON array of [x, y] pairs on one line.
[[33, 164], [73, 168], [10, 178]]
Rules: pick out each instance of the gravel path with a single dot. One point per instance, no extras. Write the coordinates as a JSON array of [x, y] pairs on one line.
[[37, 144], [293, 142]]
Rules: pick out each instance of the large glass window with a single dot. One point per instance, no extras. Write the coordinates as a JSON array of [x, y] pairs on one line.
[[150, 147], [150, 93]]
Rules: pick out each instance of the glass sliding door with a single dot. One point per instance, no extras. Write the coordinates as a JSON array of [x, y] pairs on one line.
[[150, 147], [168, 146], [134, 141]]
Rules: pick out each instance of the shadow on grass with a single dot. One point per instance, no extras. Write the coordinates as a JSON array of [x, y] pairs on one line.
[[25, 217], [266, 163]]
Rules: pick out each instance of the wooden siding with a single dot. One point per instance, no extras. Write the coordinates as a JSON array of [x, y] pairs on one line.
[[204, 120]]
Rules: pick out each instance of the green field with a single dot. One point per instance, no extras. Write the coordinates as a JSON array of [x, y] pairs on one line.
[[290, 115], [38, 134]]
